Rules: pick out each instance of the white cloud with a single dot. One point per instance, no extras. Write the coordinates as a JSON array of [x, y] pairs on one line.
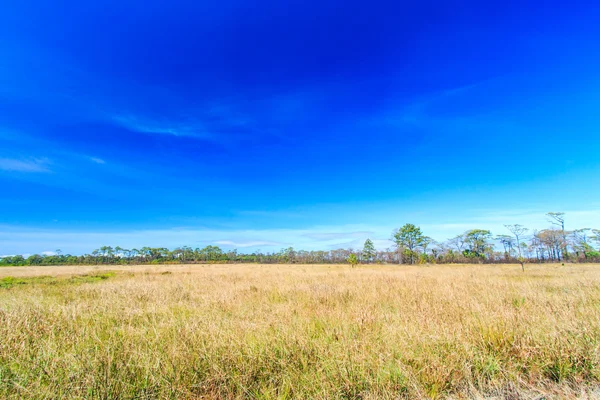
[[175, 128], [383, 244], [97, 160], [337, 235], [246, 244], [33, 165]]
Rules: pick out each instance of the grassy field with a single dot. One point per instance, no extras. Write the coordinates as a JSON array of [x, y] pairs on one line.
[[296, 331]]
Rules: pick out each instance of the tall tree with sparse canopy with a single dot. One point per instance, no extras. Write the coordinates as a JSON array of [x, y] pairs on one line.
[[596, 237], [518, 231], [558, 218], [409, 237], [368, 252]]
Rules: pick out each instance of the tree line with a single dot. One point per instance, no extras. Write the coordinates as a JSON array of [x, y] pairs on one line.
[[410, 246]]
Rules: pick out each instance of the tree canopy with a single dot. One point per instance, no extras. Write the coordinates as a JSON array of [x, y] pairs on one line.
[[411, 245]]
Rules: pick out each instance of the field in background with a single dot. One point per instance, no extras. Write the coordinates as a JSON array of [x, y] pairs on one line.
[[300, 331]]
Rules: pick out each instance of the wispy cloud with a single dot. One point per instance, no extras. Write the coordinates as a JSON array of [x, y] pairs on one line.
[[163, 127], [337, 235], [32, 165], [247, 244], [418, 112], [211, 122], [357, 244], [271, 213], [97, 160]]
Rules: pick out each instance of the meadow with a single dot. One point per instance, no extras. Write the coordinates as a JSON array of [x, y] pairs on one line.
[[300, 331]]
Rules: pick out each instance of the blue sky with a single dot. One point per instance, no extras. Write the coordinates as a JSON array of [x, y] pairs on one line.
[[272, 124]]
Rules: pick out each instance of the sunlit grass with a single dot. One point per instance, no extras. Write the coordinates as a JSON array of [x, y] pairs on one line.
[[249, 331]]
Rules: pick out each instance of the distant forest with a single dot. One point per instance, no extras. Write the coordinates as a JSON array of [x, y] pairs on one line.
[[410, 246]]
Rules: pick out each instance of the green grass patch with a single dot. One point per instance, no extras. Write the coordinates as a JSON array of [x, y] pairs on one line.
[[10, 281]]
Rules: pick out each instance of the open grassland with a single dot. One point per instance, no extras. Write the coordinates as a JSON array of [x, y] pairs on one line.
[[299, 331]]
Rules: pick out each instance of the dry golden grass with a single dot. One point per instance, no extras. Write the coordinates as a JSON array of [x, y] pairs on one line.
[[282, 331]]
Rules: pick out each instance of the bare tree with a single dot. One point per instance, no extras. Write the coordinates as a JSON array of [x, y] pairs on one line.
[[580, 240], [518, 231], [508, 243], [596, 236], [558, 218], [552, 241], [459, 242]]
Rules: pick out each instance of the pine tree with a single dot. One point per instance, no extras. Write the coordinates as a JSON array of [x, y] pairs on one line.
[[369, 251], [409, 238]]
